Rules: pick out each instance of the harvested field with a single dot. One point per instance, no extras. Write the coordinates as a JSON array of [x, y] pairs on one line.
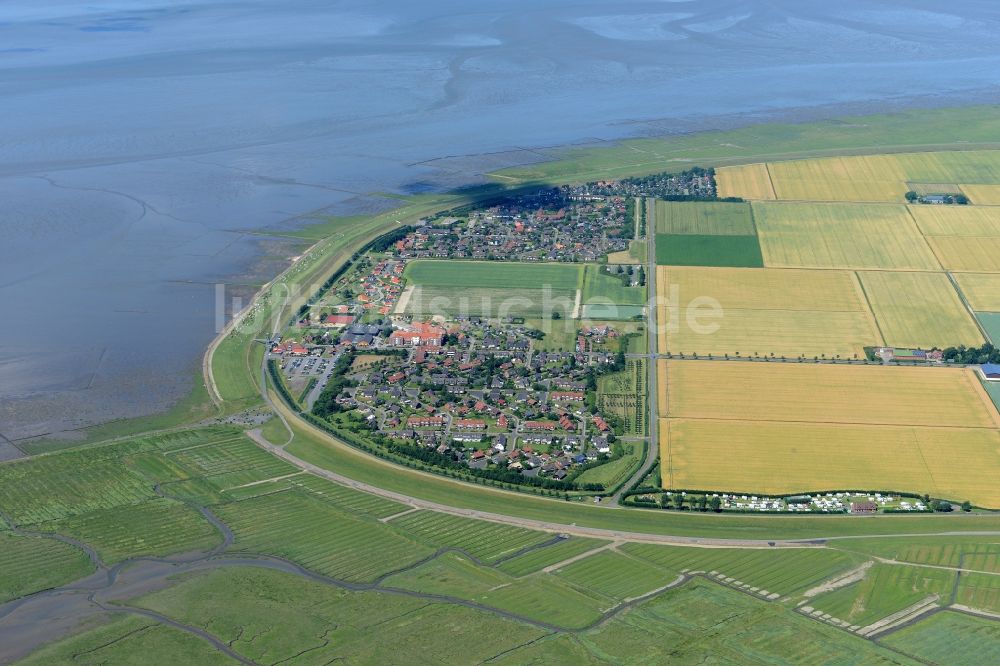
[[963, 253], [785, 312], [704, 217], [775, 458], [981, 290], [841, 236], [750, 181], [826, 393], [919, 310]]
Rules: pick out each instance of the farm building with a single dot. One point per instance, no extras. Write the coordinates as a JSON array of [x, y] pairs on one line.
[[990, 372], [911, 355]]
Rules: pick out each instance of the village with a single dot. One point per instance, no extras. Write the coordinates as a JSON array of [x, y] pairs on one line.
[[549, 225], [472, 390]]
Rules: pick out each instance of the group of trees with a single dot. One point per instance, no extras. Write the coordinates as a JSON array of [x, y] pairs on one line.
[[680, 502], [626, 273], [972, 355], [326, 403]]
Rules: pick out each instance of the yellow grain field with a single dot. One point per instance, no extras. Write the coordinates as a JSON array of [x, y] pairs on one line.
[[951, 166], [966, 253], [785, 312], [877, 178], [827, 393], [750, 181], [982, 290], [772, 458], [919, 310], [982, 195], [957, 220], [867, 178], [841, 236]]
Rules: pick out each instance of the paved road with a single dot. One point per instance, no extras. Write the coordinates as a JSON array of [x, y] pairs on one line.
[[653, 449], [540, 525]]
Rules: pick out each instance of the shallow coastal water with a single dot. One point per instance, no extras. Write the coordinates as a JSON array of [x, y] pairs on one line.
[[147, 144]]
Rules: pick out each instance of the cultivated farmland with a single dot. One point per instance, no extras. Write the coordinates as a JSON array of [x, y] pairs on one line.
[[785, 312], [982, 290], [819, 235], [825, 393], [951, 166], [707, 250], [975, 221], [879, 177], [984, 195], [704, 217], [963, 253], [785, 457], [862, 178], [785, 428], [749, 181], [919, 310]]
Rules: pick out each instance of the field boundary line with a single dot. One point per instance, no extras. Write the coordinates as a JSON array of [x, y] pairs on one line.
[[923, 237], [530, 523], [405, 512], [229, 440], [908, 426], [838, 581], [770, 181], [868, 305], [263, 481], [581, 556], [980, 390], [968, 306], [902, 617]]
